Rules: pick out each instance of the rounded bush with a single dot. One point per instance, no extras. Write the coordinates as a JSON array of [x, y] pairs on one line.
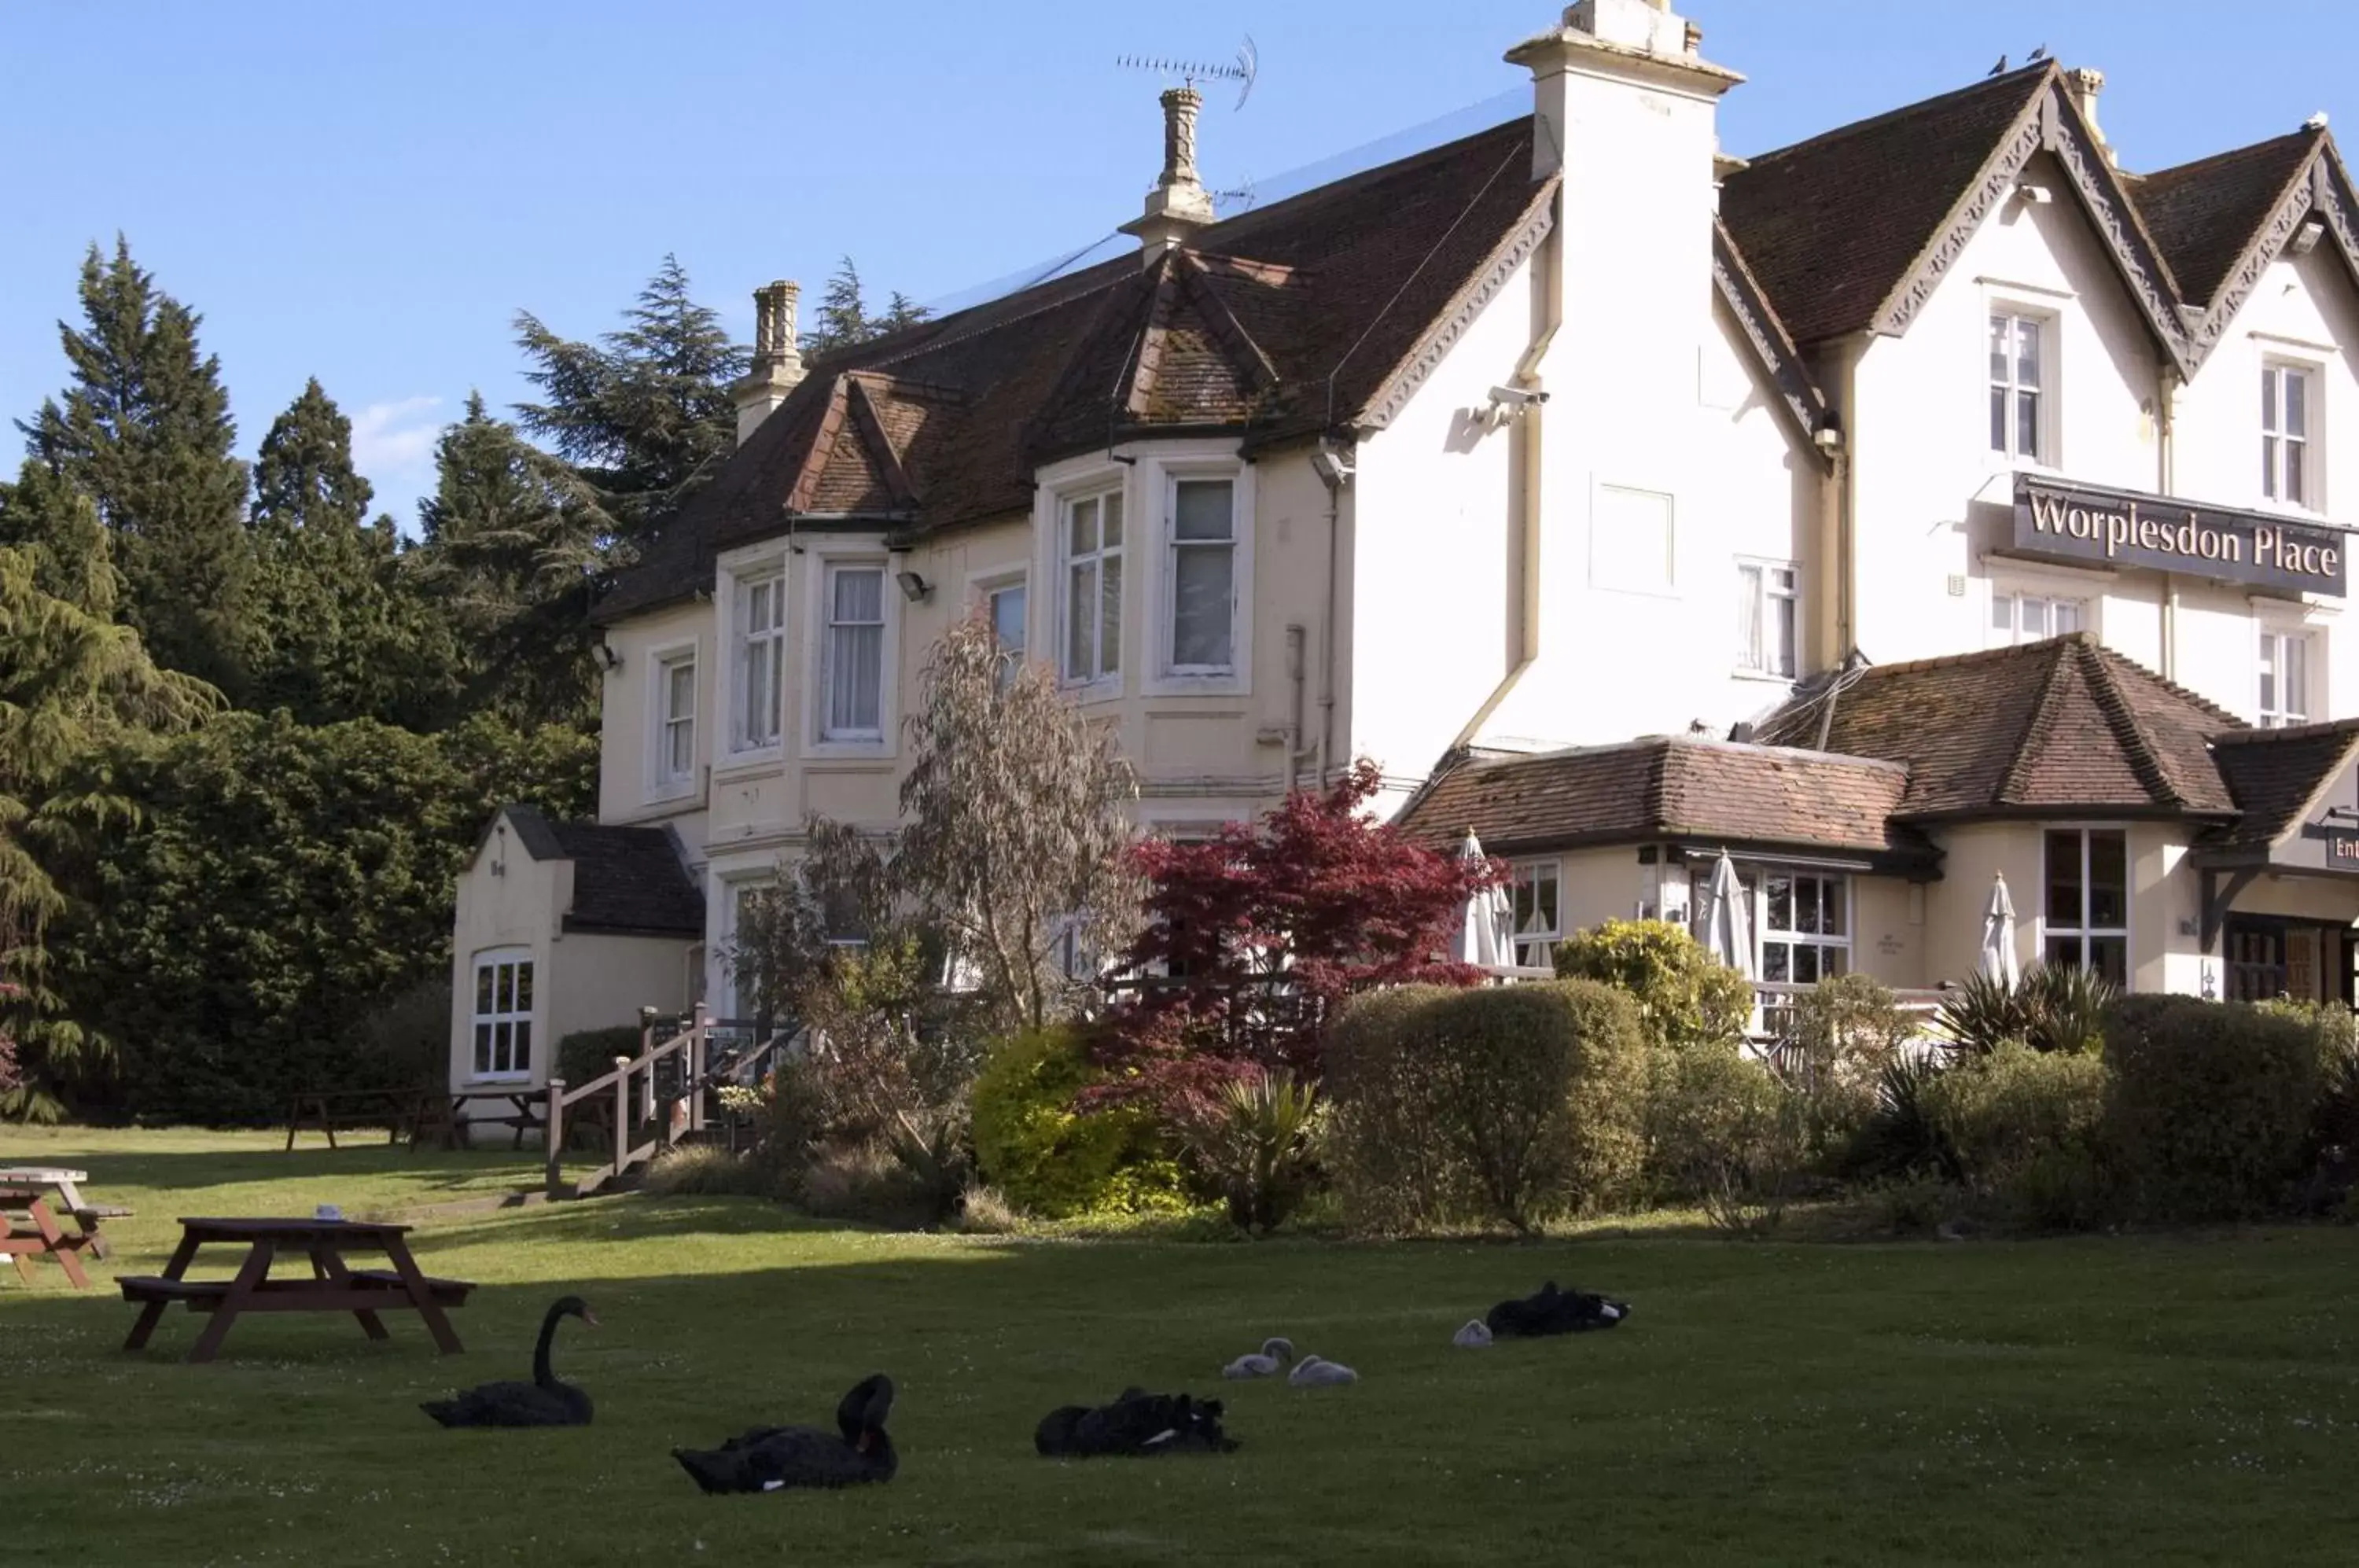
[[1049, 1158], [1685, 996], [2212, 1103]]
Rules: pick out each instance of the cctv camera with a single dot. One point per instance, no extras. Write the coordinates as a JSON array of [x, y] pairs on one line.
[[1516, 397], [1333, 467]]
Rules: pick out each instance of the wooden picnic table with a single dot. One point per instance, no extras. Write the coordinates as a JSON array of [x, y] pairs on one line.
[[523, 1113], [25, 1189], [332, 1287]]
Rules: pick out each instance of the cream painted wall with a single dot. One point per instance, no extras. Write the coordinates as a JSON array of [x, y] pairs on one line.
[[1972, 856]]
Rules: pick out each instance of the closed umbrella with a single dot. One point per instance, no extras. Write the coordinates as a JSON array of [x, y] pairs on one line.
[[1728, 918], [1999, 935], [1486, 934]]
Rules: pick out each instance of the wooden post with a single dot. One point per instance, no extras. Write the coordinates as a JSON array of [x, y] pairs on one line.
[[622, 1112], [699, 1049], [553, 1125]]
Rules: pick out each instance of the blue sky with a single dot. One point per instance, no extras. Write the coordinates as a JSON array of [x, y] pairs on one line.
[[368, 193]]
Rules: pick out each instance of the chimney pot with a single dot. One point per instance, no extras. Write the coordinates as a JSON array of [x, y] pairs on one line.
[[777, 361], [2081, 85], [1179, 204]]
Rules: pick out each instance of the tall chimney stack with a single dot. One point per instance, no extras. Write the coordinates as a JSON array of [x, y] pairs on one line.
[[777, 363], [1179, 205], [2083, 84]]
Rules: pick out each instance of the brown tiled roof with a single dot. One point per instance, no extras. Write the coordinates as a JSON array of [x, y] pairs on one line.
[[2046, 727], [1830, 227], [2204, 214], [1288, 321], [626, 881], [1666, 787], [2275, 775]]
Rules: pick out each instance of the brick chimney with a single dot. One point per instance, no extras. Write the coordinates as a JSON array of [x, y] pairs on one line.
[[777, 363], [2083, 84], [1179, 205]]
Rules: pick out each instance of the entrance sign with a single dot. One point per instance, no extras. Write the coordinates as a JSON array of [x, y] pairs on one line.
[[2085, 523]]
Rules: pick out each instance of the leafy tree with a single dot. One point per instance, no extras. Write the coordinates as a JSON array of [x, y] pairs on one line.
[[144, 432], [346, 631], [515, 563], [282, 880], [1259, 932], [842, 320], [74, 688], [644, 414]]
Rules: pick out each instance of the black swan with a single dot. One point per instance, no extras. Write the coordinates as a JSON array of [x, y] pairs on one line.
[[544, 1401], [772, 1458], [1136, 1424], [1554, 1311]]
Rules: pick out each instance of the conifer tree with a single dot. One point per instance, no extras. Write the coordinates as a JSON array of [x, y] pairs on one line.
[[842, 320], [57, 527], [144, 432], [644, 414]]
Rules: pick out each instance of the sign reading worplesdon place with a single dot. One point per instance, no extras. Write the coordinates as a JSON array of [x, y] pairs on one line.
[[2117, 528]]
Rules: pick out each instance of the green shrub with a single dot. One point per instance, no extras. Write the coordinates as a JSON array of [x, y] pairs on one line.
[[1994, 1114], [705, 1171], [1727, 1135], [1840, 1037], [2049, 1008], [1259, 1146], [586, 1055], [1049, 1158], [864, 1182], [1899, 1138], [2214, 1103], [1505, 1104], [1685, 996]]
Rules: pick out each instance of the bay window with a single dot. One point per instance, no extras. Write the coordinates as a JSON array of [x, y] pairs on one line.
[[2088, 901], [852, 658], [2015, 387], [503, 1014], [1765, 608], [1202, 563], [761, 659], [2285, 434], [1804, 926], [2284, 678], [1092, 537], [1539, 913]]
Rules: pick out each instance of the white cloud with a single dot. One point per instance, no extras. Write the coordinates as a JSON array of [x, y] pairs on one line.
[[395, 441]]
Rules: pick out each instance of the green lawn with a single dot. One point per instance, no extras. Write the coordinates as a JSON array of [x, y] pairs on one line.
[[2138, 1401]]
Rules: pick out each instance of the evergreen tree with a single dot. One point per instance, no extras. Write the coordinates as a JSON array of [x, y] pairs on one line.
[[144, 432], [517, 560], [643, 414], [901, 312], [57, 527], [345, 631], [842, 320]]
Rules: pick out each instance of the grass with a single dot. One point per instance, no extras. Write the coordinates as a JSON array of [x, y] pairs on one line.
[[2172, 1400]]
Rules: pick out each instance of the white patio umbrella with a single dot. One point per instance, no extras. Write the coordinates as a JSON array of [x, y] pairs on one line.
[[1486, 933], [1728, 918], [1998, 934]]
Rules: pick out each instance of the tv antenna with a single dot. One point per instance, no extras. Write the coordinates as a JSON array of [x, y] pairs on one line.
[[1240, 196], [1241, 70]]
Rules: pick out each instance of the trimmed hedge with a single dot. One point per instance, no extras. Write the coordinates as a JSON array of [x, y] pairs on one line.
[[2212, 1104], [1506, 1105]]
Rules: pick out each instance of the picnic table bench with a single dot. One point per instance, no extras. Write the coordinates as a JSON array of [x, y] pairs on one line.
[[403, 1113], [332, 1286], [28, 1224]]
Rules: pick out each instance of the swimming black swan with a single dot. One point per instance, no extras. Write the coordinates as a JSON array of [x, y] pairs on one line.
[[772, 1458], [1554, 1311], [1136, 1424], [544, 1401]]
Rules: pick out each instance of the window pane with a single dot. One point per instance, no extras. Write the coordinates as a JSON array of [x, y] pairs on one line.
[[2293, 474], [2297, 677], [1806, 905], [1201, 509], [1782, 638], [483, 989], [2269, 467], [1999, 330], [1781, 903], [1832, 961], [2035, 620], [2268, 672], [1806, 964], [1544, 901], [2269, 398], [504, 989], [1080, 620], [1998, 419], [524, 988], [522, 1062], [2026, 352], [2067, 616], [1110, 617], [2003, 614], [1200, 605], [2110, 957], [1007, 618], [2108, 880], [482, 1047], [1113, 505], [1833, 891], [855, 679], [1085, 528], [2064, 878], [1748, 617], [2297, 399], [1775, 963], [2026, 433], [2064, 951], [500, 1048], [680, 690], [860, 595]]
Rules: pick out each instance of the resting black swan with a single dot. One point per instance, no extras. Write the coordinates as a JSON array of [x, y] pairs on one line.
[[1136, 1424], [772, 1458], [544, 1401], [1554, 1311]]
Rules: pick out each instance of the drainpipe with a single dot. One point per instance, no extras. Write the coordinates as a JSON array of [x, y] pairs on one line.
[[2165, 457], [1530, 428], [1334, 478]]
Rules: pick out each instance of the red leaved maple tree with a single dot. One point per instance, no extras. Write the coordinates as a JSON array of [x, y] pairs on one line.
[[1255, 935]]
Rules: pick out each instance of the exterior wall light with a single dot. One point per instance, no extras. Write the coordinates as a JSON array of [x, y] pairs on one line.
[[914, 588]]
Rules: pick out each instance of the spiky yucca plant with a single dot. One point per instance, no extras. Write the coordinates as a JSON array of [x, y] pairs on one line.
[[1259, 1143]]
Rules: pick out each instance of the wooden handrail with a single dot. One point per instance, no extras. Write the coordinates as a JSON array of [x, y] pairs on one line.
[[689, 1046]]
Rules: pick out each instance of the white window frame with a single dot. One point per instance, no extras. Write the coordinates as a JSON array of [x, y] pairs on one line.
[[1164, 466], [738, 580], [1790, 936], [734, 891], [822, 560], [984, 590], [664, 782], [1167, 620], [1097, 678], [1758, 595], [485, 1026], [2079, 929], [2015, 595], [824, 667], [2275, 437], [2273, 639], [2046, 428], [1535, 947]]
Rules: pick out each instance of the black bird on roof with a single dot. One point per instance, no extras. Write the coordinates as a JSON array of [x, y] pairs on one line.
[[2000, 69]]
